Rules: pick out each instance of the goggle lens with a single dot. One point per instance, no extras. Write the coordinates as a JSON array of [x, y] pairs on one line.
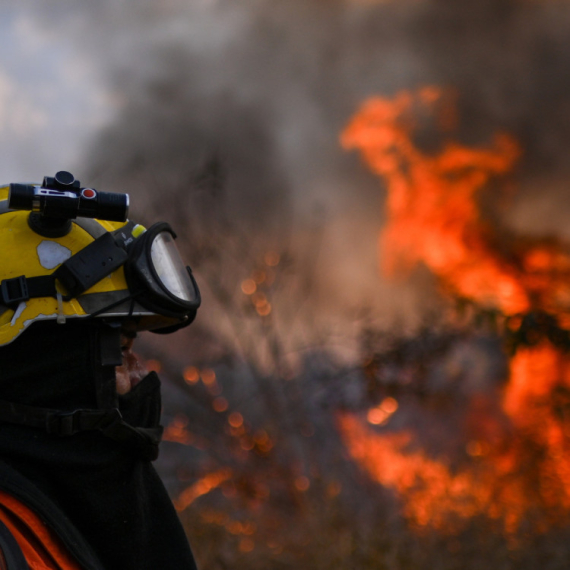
[[170, 268]]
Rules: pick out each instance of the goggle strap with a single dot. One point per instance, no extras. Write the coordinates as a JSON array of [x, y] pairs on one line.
[[79, 273], [20, 289], [132, 297], [131, 308], [91, 264]]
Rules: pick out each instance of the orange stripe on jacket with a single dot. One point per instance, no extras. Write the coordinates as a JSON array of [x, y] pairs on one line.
[[42, 548]]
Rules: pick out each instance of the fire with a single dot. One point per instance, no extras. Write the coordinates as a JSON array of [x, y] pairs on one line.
[[434, 496], [511, 474], [433, 214], [516, 453]]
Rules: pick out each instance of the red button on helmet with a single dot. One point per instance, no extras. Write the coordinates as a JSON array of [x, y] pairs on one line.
[[88, 193]]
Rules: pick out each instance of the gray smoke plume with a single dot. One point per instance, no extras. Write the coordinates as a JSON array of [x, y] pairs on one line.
[[236, 107]]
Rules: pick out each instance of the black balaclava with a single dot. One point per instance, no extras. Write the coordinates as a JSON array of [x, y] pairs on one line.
[[104, 500]]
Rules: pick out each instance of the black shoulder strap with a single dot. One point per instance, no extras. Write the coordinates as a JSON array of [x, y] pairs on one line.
[[12, 556]]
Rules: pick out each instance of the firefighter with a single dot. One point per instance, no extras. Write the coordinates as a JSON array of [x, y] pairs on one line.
[[79, 416]]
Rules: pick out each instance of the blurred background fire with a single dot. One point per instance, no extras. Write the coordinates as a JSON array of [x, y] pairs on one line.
[[373, 196]]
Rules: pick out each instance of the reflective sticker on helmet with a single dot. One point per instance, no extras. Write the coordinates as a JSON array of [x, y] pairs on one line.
[[17, 313], [52, 254], [40, 317]]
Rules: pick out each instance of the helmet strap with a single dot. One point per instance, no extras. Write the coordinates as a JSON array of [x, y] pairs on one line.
[[106, 349]]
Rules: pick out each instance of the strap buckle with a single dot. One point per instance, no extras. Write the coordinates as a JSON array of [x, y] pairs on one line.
[[14, 291], [70, 423], [63, 423]]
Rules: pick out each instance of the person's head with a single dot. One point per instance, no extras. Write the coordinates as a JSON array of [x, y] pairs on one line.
[[78, 280], [53, 267]]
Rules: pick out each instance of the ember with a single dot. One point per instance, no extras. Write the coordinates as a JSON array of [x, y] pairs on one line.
[[201, 487]]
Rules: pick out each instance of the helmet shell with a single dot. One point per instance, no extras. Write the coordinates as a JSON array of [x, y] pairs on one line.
[[24, 252]]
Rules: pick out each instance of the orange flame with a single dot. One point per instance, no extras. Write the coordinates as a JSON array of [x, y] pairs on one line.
[[433, 215], [434, 496], [519, 464], [509, 477]]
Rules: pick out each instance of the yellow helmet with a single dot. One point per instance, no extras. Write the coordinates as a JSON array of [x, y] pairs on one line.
[[90, 268]]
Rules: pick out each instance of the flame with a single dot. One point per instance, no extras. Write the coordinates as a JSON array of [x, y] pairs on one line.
[[433, 213], [433, 494], [518, 463], [511, 476]]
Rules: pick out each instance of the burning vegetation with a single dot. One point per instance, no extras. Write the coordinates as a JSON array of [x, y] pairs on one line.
[[443, 449], [514, 466]]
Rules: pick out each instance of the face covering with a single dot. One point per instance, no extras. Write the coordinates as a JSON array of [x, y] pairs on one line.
[[99, 492]]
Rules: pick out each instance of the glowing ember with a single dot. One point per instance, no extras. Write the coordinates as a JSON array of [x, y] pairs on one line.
[[272, 258], [220, 404], [381, 413], [261, 279], [177, 431], [235, 419], [248, 286], [191, 375], [201, 487], [208, 376]]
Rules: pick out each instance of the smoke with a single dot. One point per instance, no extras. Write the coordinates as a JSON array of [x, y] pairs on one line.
[[507, 61], [257, 92]]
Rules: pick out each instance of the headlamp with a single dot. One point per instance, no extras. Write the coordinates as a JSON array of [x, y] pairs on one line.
[[60, 199]]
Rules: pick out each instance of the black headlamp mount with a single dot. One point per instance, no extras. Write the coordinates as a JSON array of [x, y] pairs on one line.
[[61, 199]]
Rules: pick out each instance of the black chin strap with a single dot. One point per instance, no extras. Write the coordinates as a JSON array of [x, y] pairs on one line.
[[106, 350]]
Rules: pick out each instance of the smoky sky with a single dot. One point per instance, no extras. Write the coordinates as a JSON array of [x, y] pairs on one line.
[[269, 85], [251, 96]]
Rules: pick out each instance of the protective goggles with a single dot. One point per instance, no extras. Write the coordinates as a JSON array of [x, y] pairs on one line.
[[158, 278]]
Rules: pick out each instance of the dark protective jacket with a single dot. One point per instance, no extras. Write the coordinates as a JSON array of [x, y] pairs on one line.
[[101, 497]]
